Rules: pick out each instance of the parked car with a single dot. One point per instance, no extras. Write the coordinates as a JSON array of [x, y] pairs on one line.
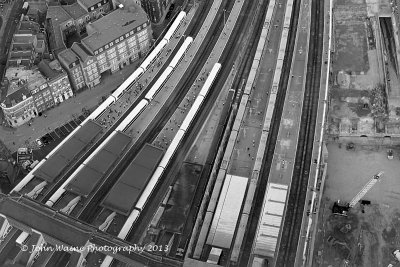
[[171, 7], [39, 143], [390, 154]]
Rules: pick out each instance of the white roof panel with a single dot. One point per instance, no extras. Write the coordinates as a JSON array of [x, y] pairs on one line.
[[227, 212], [271, 220]]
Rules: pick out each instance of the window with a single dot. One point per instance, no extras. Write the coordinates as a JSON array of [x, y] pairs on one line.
[[131, 40]]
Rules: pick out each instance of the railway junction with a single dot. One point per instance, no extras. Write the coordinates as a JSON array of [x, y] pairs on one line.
[[203, 156]]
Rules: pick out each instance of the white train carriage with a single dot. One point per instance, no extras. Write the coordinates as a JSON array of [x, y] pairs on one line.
[[172, 149], [159, 84], [127, 83], [181, 52], [210, 80], [192, 113], [127, 122], [175, 25], [168, 71], [268, 16], [288, 16], [102, 108], [153, 55], [149, 188]]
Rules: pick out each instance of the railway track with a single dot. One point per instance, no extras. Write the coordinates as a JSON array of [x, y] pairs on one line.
[[92, 209], [237, 37], [271, 142], [298, 189]]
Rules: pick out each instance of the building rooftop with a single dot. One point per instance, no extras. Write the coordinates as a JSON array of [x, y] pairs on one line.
[[38, 5], [18, 93], [80, 51], [28, 26], [56, 40], [26, 38], [57, 14], [46, 69], [89, 3], [67, 56], [113, 25], [33, 76], [75, 10]]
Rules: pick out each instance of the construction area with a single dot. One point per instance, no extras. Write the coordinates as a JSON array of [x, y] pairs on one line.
[[359, 214], [370, 232]]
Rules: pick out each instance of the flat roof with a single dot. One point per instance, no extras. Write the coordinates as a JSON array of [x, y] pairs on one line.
[[85, 180], [113, 26], [124, 194], [227, 212], [272, 213], [66, 154], [75, 10]]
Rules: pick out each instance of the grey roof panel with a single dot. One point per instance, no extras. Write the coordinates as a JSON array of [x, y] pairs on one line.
[[136, 176], [67, 153], [125, 193], [84, 182], [118, 143], [118, 199], [149, 156], [102, 161]]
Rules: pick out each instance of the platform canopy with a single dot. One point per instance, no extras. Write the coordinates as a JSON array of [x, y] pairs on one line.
[[68, 152], [95, 170], [125, 193]]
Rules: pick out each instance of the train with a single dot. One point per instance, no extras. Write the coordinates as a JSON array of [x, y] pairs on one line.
[[264, 136], [173, 147], [127, 122], [125, 86]]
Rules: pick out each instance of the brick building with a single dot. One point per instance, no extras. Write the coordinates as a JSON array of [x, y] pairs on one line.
[[119, 38], [71, 63]]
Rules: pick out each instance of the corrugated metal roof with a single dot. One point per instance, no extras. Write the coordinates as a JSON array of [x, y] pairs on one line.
[[227, 212], [271, 220]]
